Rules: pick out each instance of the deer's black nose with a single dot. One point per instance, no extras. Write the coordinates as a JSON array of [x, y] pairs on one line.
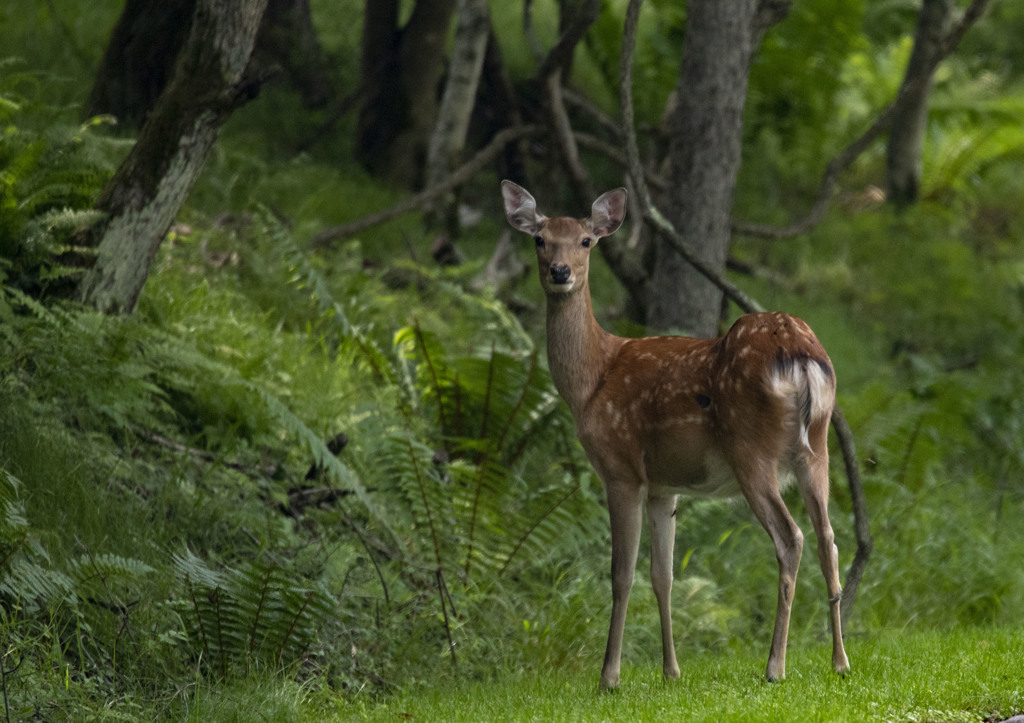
[[560, 273]]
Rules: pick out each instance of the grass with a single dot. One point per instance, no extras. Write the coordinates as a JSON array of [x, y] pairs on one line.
[[963, 675]]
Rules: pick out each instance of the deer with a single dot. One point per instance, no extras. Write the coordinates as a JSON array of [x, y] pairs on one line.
[[664, 416]]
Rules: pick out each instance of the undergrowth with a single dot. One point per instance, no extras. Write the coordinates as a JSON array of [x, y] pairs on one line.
[[298, 479]]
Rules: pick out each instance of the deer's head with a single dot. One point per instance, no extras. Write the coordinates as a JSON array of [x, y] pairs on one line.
[[563, 244]]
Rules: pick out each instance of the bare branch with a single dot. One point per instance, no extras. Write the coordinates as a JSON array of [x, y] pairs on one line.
[[456, 178], [561, 52], [616, 154], [636, 170], [590, 108], [768, 13]]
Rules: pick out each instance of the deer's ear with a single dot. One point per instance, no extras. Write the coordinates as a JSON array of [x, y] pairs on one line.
[[608, 212], [521, 208]]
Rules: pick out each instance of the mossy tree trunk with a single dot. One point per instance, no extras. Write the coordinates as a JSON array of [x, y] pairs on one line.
[[149, 188], [448, 139]]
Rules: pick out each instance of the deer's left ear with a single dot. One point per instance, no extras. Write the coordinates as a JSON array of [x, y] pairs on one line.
[[608, 212]]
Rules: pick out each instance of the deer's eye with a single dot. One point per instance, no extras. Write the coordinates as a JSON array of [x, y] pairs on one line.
[[539, 241], [586, 242]]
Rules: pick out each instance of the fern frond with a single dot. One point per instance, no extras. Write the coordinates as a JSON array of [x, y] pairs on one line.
[[254, 613], [13, 523], [35, 587], [96, 573]]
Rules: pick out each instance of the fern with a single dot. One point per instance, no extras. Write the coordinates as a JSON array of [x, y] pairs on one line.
[[250, 615], [97, 576], [13, 525], [498, 424], [50, 181], [24, 582]]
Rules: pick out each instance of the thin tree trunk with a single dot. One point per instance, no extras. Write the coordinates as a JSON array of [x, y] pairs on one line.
[[402, 70], [448, 139], [139, 59], [499, 107], [287, 37], [149, 188], [705, 135], [910, 114]]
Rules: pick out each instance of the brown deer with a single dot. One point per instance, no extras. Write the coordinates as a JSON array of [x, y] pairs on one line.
[[670, 415]]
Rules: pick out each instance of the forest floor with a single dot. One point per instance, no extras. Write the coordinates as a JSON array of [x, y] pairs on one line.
[[965, 675]]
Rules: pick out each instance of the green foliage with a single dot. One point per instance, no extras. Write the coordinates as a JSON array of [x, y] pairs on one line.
[[460, 532], [974, 130], [965, 675], [252, 615], [49, 181], [797, 74]]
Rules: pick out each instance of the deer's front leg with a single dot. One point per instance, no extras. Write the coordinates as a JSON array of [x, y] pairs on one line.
[[625, 513], [661, 511]]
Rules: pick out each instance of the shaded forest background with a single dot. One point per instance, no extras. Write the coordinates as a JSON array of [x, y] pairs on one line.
[[305, 448]]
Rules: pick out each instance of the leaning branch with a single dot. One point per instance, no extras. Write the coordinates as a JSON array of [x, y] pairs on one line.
[[861, 527], [845, 159], [458, 177]]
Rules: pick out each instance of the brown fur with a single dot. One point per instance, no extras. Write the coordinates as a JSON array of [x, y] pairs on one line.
[[670, 415]]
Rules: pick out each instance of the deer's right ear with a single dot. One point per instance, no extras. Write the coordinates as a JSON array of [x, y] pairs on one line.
[[521, 208]]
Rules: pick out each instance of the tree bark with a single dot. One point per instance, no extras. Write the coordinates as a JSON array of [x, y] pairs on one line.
[[401, 69], [910, 113], [139, 59], [499, 108], [704, 154], [448, 139], [287, 38], [148, 189]]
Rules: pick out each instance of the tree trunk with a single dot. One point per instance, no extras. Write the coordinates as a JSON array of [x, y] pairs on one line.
[[499, 108], [287, 37], [704, 155], [148, 189], [139, 60], [401, 71], [910, 114], [449, 136]]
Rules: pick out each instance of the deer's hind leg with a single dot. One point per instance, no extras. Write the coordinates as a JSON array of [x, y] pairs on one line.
[[812, 476], [759, 483]]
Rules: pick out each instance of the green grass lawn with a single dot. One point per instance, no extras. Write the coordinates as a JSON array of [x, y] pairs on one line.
[[973, 675]]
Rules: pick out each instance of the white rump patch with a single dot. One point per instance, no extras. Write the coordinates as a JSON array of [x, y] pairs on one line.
[[810, 388]]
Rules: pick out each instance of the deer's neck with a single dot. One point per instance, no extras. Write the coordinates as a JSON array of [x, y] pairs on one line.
[[578, 348]]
